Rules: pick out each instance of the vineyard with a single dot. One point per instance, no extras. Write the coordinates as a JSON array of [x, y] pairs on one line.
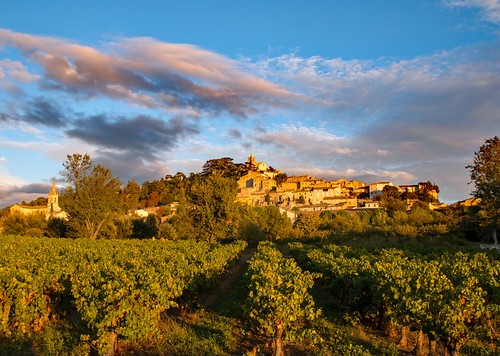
[[119, 290], [63, 296]]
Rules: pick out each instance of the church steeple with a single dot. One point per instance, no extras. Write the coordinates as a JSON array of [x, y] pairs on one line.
[[53, 201], [53, 191], [251, 163]]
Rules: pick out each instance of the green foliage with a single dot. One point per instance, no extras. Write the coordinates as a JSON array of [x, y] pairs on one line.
[[278, 300], [41, 201], [119, 288], [390, 191], [130, 195], [224, 167], [453, 297], [91, 199], [420, 217], [307, 224], [485, 173], [280, 178], [214, 206], [20, 224], [167, 231], [273, 223], [56, 227], [145, 228], [392, 205], [379, 218]]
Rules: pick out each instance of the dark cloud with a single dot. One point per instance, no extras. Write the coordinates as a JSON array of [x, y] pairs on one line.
[[43, 112], [143, 135], [10, 195], [39, 188], [128, 165], [235, 133], [37, 111]]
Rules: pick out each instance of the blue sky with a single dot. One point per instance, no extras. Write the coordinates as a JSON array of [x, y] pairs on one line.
[[392, 90]]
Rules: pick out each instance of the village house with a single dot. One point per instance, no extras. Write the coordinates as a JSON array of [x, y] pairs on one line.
[[376, 188]]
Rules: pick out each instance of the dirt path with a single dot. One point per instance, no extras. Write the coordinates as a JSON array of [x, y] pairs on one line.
[[228, 279]]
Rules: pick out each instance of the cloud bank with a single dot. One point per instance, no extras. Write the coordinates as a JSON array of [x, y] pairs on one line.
[[145, 108]]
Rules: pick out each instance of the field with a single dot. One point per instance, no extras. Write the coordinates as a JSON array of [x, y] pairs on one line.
[[82, 297]]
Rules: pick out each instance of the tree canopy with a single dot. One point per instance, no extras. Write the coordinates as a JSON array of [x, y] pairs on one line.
[[225, 166], [485, 174], [92, 196]]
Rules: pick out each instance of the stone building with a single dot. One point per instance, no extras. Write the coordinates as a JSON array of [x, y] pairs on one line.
[[52, 209]]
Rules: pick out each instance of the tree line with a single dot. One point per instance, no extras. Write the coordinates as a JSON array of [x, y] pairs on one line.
[[96, 203]]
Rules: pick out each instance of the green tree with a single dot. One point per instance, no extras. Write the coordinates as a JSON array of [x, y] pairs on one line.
[[25, 225], [485, 173], [224, 166], [280, 178], [131, 194], [390, 191], [392, 204], [214, 204], [92, 197]]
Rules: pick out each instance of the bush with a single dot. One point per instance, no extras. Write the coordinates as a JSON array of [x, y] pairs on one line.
[[436, 229], [56, 227], [251, 233], [25, 225], [145, 228], [167, 231], [419, 216], [379, 218], [405, 230], [400, 217]]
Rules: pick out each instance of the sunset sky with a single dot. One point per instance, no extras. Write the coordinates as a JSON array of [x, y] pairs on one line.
[[400, 91]]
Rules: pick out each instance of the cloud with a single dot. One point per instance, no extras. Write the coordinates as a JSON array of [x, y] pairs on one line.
[[490, 9], [366, 176], [235, 133], [45, 112], [17, 71], [36, 111], [12, 194], [178, 78], [143, 135]]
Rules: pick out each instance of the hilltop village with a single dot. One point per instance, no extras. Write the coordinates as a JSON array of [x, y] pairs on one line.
[[263, 185]]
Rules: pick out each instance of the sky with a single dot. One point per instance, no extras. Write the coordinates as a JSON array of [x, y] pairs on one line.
[[400, 91]]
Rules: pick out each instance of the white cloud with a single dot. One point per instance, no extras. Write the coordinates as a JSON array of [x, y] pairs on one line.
[[490, 9]]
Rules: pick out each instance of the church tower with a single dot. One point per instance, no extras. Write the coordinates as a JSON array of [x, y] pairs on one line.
[[251, 163], [53, 203]]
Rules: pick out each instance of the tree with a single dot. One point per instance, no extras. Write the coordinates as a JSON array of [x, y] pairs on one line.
[[224, 166], [390, 191], [280, 178], [392, 204], [24, 225], [131, 195], [92, 196], [485, 173], [214, 205]]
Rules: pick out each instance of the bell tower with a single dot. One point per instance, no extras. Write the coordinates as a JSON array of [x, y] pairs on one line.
[[251, 163], [53, 202]]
